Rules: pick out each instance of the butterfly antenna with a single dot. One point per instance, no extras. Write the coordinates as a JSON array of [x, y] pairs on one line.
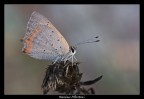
[[92, 40]]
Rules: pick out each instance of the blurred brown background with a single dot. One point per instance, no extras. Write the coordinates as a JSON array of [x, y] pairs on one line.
[[116, 56]]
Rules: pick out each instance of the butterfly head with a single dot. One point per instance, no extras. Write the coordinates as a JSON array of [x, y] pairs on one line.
[[73, 50]]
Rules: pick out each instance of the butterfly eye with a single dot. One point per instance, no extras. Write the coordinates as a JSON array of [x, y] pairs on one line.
[[72, 49]]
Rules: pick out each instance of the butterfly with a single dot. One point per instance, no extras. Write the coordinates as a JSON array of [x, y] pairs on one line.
[[43, 41]]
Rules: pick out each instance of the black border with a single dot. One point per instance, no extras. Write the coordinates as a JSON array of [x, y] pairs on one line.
[[108, 2], [2, 51], [141, 55]]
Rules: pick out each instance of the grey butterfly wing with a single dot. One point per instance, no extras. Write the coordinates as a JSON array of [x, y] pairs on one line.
[[42, 40], [34, 20]]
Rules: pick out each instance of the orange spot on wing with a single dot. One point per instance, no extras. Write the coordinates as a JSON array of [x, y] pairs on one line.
[[28, 41]]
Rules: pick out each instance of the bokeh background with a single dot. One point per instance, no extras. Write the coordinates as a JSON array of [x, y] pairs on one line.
[[116, 56]]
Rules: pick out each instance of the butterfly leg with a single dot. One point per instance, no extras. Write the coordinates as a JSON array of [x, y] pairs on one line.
[[75, 58], [72, 60], [69, 57], [56, 60]]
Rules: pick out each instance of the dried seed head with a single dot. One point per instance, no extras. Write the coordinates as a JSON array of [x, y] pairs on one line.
[[65, 78]]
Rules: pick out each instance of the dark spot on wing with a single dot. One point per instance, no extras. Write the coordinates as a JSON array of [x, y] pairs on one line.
[[58, 40], [52, 31], [51, 44], [28, 30], [47, 23], [60, 46]]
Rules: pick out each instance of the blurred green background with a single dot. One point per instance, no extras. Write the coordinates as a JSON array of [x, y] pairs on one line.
[[116, 56]]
